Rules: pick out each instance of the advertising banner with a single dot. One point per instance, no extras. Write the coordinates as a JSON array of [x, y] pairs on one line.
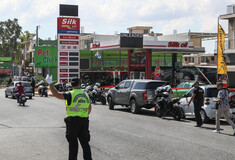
[[68, 42], [5, 70], [5, 59], [45, 57], [222, 67]]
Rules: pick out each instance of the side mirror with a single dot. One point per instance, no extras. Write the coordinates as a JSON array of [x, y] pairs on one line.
[[116, 87], [185, 95]]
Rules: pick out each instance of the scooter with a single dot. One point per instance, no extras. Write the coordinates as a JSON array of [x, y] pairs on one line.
[[22, 100], [232, 107], [165, 106], [42, 89], [98, 96]]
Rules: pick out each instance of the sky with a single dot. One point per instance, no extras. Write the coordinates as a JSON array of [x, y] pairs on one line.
[[109, 16]]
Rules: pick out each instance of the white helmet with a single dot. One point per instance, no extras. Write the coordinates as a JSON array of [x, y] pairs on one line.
[[83, 86], [97, 84], [88, 87], [95, 87]]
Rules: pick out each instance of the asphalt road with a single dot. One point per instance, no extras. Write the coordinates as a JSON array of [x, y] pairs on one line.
[[36, 132]]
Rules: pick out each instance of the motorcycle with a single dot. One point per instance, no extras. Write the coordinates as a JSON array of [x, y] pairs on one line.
[[42, 89], [232, 107], [22, 100], [97, 95], [165, 106]]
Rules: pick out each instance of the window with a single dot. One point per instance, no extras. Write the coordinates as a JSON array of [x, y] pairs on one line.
[[186, 85], [146, 31], [192, 60], [212, 92], [154, 85], [189, 94], [212, 58], [121, 85], [127, 84], [180, 85], [186, 59], [140, 85]]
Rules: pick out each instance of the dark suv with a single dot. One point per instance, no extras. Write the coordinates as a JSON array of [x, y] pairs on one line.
[[134, 93]]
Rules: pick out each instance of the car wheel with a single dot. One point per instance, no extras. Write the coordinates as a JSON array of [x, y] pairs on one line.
[[134, 107], [6, 96], [204, 116], [12, 96], [177, 114], [111, 104], [103, 100]]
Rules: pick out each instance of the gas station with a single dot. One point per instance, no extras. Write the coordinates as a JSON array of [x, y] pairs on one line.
[[140, 49]]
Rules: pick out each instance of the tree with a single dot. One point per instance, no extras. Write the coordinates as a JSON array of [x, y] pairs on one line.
[[10, 32], [26, 36]]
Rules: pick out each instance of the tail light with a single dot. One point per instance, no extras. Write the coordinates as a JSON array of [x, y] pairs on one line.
[[22, 94], [231, 106], [144, 95]]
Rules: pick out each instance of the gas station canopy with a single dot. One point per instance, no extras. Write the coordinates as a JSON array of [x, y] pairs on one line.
[[127, 41]]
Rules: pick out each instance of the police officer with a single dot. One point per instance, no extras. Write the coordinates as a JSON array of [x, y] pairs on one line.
[[78, 108], [198, 98]]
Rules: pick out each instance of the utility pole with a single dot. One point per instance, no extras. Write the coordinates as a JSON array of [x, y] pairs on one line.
[[34, 49]]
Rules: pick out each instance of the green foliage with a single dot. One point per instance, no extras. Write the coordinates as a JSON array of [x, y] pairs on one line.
[[39, 78], [10, 46]]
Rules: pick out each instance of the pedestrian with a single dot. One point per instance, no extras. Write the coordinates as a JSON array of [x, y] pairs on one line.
[[33, 86], [223, 107], [9, 82], [198, 98], [78, 108]]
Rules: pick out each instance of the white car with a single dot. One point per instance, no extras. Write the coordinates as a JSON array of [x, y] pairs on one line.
[[208, 111]]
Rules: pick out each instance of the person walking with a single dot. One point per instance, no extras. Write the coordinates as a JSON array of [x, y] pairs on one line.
[[223, 107], [78, 108], [33, 86], [198, 98]]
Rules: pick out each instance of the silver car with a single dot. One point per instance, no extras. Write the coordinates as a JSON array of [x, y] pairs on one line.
[[10, 89]]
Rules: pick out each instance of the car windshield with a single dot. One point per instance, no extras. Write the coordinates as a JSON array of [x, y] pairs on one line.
[[212, 92], [25, 84], [154, 85]]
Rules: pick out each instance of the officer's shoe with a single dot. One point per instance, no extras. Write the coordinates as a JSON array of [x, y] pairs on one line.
[[215, 131]]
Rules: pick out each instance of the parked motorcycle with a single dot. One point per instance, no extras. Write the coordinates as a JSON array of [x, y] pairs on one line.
[[42, 88], [232, 107], [96, 95], [22, 100], [165, 106]]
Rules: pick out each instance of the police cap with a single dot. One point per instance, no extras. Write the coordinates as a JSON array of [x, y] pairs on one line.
[[75, 82]]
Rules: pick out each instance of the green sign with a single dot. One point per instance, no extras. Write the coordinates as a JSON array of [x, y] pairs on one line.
[[45, 57], [5, 59], [47, 42]]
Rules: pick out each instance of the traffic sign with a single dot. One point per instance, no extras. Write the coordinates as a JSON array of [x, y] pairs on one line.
[[157, 71], [225, 82]]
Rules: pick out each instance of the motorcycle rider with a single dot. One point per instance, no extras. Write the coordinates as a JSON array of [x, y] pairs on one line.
[[20, 90]]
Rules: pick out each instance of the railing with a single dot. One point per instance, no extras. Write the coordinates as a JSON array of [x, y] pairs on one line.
[[228, 44]]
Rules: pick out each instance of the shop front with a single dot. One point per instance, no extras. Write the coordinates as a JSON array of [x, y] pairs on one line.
[[140, 51]]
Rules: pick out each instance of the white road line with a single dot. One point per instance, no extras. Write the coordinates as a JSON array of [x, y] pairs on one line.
[[126, 133]]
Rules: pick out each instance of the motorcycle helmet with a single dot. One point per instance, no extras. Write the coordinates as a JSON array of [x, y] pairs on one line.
[[95, 87], [97, 84], [83, 86]]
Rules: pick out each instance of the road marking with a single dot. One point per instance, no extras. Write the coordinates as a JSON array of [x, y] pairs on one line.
[[126, 133]]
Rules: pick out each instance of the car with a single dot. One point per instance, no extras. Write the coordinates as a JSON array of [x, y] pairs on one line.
[[134, 93], [10, 89], [24, 78], [208, 111], [183, 88]]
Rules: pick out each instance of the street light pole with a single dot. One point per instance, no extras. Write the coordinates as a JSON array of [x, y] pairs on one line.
[[37, 27]]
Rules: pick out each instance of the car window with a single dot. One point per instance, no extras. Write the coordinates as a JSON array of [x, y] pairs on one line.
[[25, 84], [211, 92], [189, 94], [127, 84], [186, 85], [180, 85], [154, 85], [121, 85], [140, 85]]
